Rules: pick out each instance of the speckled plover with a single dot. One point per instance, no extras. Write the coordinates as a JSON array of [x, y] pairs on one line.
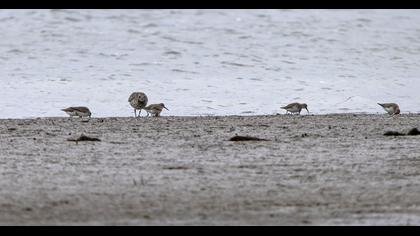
[[155, 109], [390, 108], [295, 108], [78, 111], [138, 101]]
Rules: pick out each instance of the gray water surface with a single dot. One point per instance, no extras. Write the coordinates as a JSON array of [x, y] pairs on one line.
[[208, 62]]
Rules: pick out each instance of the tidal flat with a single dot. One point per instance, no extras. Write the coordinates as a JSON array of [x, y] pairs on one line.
[[337, 169]]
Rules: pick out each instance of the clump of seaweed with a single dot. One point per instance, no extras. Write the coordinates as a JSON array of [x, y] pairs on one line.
[[413, 131], [246, 138], [83, 138]]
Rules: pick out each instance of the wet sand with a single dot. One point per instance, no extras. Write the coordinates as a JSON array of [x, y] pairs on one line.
[[314, 170]]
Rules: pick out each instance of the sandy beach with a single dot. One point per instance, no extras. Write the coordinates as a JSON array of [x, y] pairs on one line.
[[313, 170]]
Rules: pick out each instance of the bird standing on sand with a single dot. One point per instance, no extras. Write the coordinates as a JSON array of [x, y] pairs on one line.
[[78, 111], [138, 101], [155, 109], [295, 108], [390, 108]]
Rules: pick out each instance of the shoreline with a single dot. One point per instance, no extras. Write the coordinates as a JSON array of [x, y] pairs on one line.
[[314, 170], [219, 116]]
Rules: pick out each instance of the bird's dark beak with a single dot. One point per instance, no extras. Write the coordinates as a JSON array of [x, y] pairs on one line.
[[307, 110], [166, 108]]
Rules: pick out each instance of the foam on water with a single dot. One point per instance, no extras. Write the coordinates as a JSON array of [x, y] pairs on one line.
[[208, 62]]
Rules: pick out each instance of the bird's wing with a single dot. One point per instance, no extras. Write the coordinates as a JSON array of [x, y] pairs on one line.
[[132, 96], [138, 95], [388, 104], [81, 109], [291, 105], [154, 107]]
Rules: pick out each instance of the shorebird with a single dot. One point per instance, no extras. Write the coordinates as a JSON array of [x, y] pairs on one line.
[[155, 109], [390, 108], [78, 111], [295, 108], [138, 101]]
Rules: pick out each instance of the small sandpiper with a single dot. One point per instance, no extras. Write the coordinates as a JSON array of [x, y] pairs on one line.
[[155, 109], [390, 108], [295, 108], [138, 100], [78, 111]]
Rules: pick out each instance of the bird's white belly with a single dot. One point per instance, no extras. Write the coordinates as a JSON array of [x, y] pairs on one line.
[[294, 109], [390, 110], [153, 111], [71, 113], [77, 113]]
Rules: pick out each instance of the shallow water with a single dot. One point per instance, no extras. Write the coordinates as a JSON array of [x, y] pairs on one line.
[[208, 62]]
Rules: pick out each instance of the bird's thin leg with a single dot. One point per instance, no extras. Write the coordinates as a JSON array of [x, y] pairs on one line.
[[135, 113], [139, 113]]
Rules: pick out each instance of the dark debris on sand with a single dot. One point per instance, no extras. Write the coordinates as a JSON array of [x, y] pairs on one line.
[[246, 138], [413, 131], [393, 133], [83, 138]]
